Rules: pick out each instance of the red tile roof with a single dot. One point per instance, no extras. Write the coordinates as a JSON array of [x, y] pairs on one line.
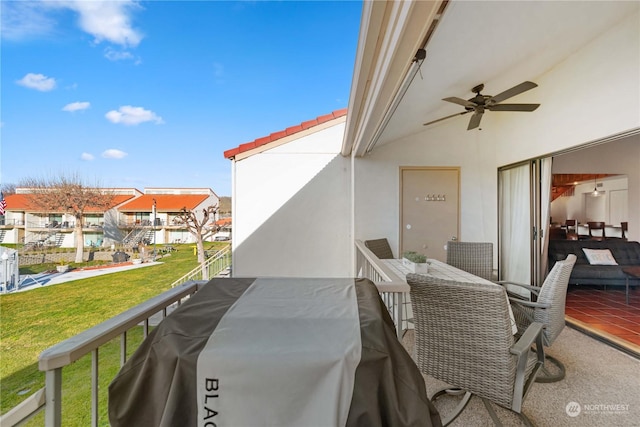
[[164, 202], [283, 133], [21, 202], [223, 221], [117, 199]]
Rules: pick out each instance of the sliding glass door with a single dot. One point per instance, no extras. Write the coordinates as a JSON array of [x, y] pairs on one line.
[[515, 223], [523, 216]]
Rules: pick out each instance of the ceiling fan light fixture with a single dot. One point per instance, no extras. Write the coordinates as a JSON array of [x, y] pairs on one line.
[[479, 103]]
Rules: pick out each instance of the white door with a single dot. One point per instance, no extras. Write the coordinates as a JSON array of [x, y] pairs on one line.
[[429, 209], [595, 207], [618, 206]]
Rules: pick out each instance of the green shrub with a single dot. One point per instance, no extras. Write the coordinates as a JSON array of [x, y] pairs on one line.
[[414, 257]]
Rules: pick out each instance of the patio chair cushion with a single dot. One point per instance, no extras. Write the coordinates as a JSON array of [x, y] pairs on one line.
[[380, 248]]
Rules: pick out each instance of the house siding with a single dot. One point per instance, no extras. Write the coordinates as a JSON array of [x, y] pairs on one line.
[[292, 209]]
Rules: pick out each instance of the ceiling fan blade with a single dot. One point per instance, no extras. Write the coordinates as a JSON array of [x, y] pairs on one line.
[[444, 118], [516, 90], [475, 121], [459, 101], [513, 107]]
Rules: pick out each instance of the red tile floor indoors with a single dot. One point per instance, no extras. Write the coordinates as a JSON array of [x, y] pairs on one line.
[[605, 314]]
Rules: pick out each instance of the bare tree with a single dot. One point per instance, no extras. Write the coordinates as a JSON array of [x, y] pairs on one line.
[[200, 226], [8, 188], [68, 194]]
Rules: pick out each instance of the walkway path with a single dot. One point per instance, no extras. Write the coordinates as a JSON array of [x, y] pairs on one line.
[[33, 281]]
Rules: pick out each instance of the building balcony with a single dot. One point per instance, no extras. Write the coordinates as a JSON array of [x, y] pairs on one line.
[[51, 226], [8, 223], [140, 223], [545, 404]]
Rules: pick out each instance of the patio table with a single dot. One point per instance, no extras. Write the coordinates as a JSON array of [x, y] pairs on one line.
[[273, 351], [442, 270]]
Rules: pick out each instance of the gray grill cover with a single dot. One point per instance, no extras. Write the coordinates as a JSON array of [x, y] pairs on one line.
[[157, 385]]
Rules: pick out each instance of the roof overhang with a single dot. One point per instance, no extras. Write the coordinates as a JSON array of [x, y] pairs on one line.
[[391, 33], [285, 136]]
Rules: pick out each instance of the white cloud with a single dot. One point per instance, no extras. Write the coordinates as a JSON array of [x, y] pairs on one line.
[[107, 20], [114, 153], [38, 82], [115, 55], [24, 19], [87, 156], [76, 106], [128, 115]]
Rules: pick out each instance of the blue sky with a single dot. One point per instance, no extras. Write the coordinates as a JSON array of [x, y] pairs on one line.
[[150, 94]]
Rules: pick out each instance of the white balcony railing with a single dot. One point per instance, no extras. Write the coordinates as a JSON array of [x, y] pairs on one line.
[[393, 289], [55, 358], [11, 222]]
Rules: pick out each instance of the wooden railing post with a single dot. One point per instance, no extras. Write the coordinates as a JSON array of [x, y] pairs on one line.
[[392, 288], [53, 398]]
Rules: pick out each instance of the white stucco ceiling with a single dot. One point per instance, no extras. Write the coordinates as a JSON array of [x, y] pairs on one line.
[[500, 44]]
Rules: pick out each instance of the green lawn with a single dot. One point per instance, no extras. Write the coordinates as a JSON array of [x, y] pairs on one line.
[[34, 320]]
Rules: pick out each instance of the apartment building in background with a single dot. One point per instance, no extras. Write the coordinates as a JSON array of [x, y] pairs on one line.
[[133, 216]]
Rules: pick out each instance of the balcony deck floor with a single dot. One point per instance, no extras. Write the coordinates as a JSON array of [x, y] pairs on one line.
[[604, 312]]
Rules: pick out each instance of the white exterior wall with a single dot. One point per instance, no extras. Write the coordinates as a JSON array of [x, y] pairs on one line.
[[212, 200], [593, 94], [112, 233], [292, 209], [12, 218], [11, 236], [377, 185]]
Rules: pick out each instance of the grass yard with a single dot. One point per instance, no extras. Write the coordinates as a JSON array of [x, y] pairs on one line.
[[34, 320]]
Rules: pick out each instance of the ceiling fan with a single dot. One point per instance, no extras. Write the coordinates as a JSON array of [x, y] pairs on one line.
[[479, 103]]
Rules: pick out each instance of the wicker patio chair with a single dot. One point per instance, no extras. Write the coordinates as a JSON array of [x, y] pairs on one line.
[[463, 337], [545, 304], [380, 247], [472, 257]]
